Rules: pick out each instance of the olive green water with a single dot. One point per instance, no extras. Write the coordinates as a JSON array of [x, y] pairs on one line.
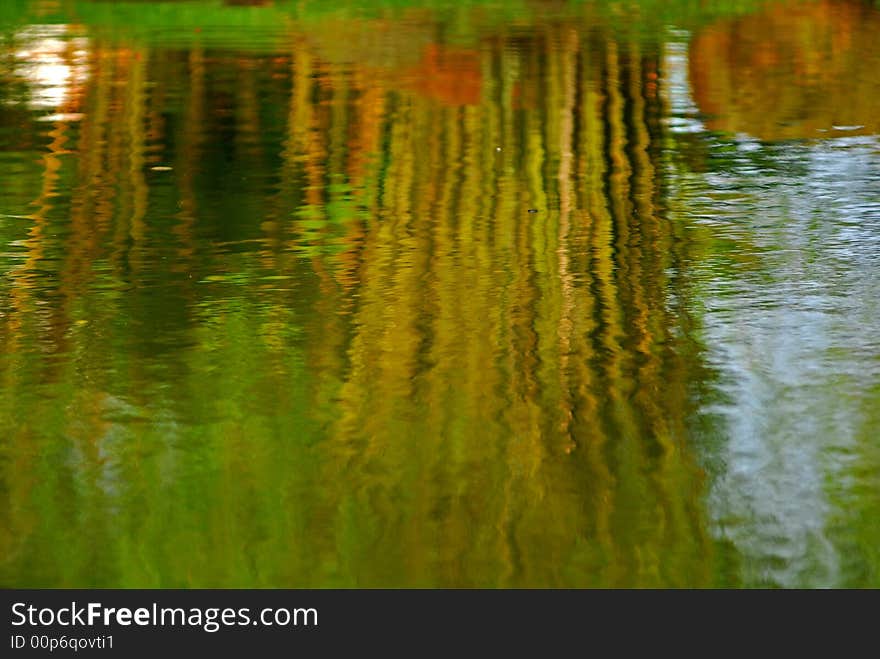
[[275, 311]]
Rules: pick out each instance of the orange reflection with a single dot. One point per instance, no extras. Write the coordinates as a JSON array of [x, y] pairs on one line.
[[795, 70], [449, 75]]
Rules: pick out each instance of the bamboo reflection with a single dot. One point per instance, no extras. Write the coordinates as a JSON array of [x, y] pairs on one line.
[[504, 368], [394, 374]]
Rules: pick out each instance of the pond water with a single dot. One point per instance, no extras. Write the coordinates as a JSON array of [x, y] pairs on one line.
[[335, 294]]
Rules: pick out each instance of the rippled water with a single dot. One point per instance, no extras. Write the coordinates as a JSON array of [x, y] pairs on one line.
[[495, 294]]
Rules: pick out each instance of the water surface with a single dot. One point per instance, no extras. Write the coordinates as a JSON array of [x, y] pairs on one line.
[[496, 294]]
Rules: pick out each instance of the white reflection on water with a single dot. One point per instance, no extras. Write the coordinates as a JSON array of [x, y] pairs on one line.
[[52, 60], [791, 325]]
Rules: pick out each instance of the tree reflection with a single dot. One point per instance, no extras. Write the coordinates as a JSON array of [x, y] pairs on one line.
[[794, 70], [324, 343]]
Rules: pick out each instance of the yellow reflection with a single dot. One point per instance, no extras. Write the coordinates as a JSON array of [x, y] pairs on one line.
[[381, 358]]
